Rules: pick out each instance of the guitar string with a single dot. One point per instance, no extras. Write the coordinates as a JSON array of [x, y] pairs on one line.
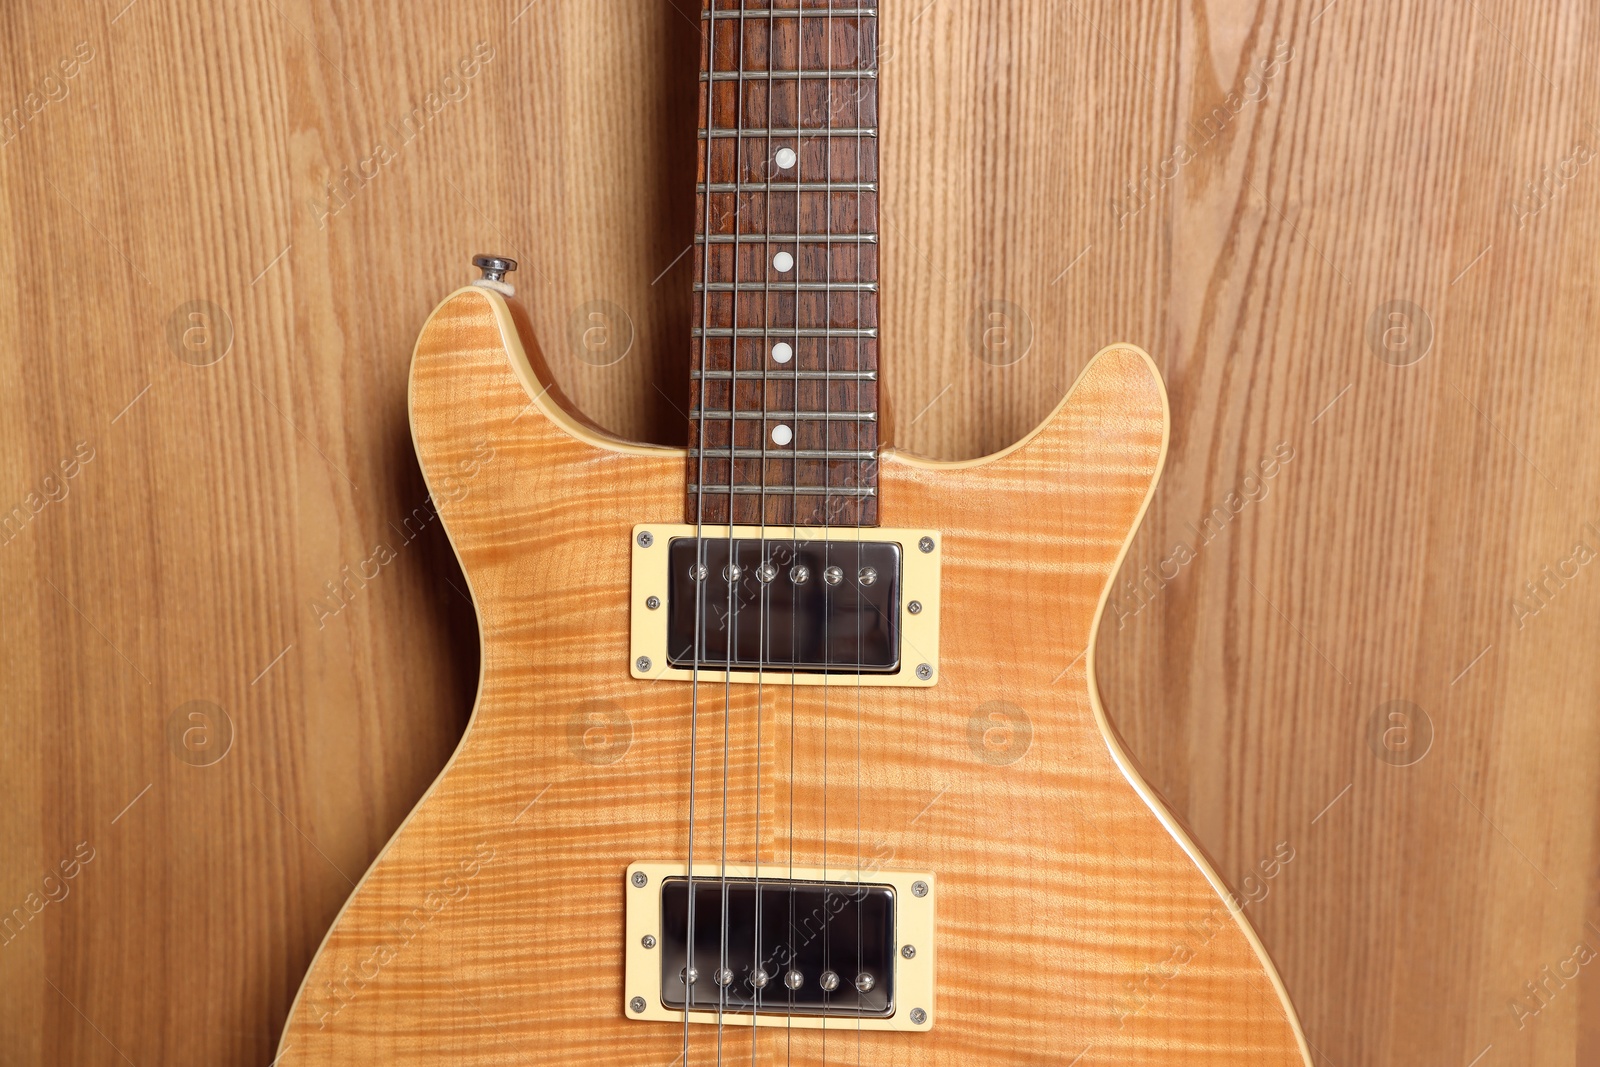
[[763, 588], [795, 359], [859, 125], [827, 483], [698, 583], [731, 571]]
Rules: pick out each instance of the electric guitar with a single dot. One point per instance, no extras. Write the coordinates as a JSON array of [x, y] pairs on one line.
[[787, 746]]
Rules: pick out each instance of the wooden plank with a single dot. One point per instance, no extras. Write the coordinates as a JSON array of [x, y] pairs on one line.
[[189, 158]]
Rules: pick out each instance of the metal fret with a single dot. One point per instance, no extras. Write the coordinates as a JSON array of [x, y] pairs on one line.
[[788, 238], [782, 331], [753, 14], [781, 375], [767, 416], [785, 75], [788, 187], [854, 455], [786, 490], [796, 132], [786, 287]]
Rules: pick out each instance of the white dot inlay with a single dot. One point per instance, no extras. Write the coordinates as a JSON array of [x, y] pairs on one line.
[[785, 158], [783, 263], [782, 353], [782, 435]]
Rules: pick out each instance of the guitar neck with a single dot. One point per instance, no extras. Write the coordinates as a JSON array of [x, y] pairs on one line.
[[784, 396]]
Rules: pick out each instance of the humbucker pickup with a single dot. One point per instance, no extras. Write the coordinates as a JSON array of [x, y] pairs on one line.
[[780, 604], [781, 946]]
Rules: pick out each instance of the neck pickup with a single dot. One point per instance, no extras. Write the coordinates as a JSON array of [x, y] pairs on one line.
[[781, 604]]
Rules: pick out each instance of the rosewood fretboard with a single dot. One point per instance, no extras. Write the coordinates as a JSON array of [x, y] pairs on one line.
[[784, 415]]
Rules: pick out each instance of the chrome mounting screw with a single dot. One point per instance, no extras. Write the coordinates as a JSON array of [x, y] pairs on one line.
[[645, 539], [637, 1004], [919, 888], [640, 880], [919, 1016], [648, 941], [915, 607], [655, 602], [644, 664], [923, 671], [926, 544], [908, 951]]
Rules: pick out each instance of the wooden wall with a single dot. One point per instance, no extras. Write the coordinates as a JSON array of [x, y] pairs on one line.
[[1350, 520]]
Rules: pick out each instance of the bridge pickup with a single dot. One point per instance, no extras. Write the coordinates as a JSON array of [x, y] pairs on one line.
[[782, 604], [797, 947], [791, 948]]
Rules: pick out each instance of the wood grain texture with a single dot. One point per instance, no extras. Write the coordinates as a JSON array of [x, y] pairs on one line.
[[190, 158], [491, 929]]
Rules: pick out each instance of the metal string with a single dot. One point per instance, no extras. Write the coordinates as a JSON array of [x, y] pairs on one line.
[[763, 588], [731, 570], [795, 359], [827, 483], [699, 519], [856, 440]]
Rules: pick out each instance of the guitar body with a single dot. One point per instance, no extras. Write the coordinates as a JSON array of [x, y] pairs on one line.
[[1074, 919]]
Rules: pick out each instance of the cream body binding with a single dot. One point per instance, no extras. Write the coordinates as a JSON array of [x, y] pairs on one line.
[[1075, 917]]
